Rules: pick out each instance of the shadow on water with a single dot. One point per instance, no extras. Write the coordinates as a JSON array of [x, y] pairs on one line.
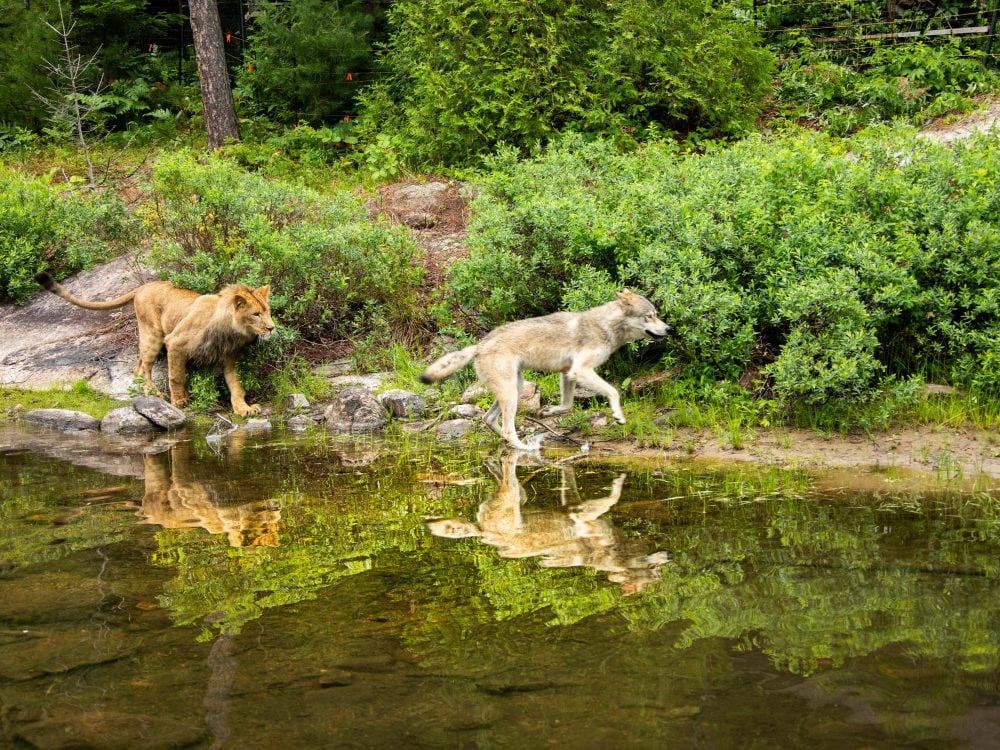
[[300, 592]]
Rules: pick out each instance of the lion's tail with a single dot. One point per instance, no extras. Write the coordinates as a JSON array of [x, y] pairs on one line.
[[447, 365], [56, 288]]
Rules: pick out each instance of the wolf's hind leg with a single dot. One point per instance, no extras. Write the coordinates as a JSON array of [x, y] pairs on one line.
[[492, 417], [503, 379]]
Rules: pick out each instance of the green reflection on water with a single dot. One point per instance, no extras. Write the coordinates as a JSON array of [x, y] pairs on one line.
[[512, 580]]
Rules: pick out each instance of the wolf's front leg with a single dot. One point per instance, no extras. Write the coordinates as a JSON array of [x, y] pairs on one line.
[[593, 381]]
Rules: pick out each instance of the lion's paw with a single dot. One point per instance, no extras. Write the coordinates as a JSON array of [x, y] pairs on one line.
[[248, 410]]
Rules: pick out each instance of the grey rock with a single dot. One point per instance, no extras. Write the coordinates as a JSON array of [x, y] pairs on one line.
[[335, 368], [466, 411], [126, 420], [530, 399], [474, 392], [159, 412], [403, 404], [932, 389], [370, 382], [455, 428], [356, 410], [299, 423], [416, 206], [294, 401], [598, 421], [257, 424], [66, 420]]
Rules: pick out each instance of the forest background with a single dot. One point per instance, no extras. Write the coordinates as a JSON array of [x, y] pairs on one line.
[[755, 168]]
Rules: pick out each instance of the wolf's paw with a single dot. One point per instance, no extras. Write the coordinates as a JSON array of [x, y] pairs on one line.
[[530, 446], [552, 411]]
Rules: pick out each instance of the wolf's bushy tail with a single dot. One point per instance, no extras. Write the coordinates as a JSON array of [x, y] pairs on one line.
[[53, 286], [447, 365]]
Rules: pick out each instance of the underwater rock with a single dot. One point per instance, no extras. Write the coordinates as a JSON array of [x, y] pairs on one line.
[[103, 730]]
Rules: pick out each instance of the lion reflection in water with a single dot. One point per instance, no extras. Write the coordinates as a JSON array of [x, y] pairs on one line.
[[176, 499], [576, 535]]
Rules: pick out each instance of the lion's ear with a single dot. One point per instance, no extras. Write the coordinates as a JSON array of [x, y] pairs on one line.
[[263, 292], [239, 302]]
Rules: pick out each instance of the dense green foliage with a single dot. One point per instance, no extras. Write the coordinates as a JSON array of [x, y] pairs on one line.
[[136, 77], [824, 266], [914, 81], [43, 227], [333, 273], [465, 76], [307, 59]]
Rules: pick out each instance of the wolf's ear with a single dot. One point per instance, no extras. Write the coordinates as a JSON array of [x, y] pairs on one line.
[[625, 296]]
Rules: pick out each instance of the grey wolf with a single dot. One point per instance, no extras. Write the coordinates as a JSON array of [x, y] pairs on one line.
[[203, 329], [571, 343]]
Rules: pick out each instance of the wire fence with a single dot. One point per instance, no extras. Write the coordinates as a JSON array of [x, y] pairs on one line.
[[853, 29]]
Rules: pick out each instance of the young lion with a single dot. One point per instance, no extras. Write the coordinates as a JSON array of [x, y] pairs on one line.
[[203, 329]]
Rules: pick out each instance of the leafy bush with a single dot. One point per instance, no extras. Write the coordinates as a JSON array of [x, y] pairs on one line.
[[913, 81], [331, 270], [465, 76], [44, 228], [824, 270]]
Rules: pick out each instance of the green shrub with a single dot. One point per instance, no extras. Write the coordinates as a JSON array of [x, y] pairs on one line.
[[913, 81], [331, 270], [823, 270], [465, 77], [43, 228]]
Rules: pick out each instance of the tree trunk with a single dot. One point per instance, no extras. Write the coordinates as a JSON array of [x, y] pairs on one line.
[[216, 93]]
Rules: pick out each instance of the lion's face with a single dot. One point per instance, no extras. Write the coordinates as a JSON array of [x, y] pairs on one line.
[[252, 311]]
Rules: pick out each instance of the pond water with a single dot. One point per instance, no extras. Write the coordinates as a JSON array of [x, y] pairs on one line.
[[282, 591]]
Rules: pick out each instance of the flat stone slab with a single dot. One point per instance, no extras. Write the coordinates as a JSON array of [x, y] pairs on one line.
[[47, 341], [160, 412], [127, 421], [66, 420]]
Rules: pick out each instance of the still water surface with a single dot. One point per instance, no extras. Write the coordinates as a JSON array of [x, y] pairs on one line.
[[282, 591]]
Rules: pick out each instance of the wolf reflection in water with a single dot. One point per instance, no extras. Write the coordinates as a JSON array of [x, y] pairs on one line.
[[575, 535]]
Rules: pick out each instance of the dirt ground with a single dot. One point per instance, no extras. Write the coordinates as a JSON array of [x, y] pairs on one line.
[[912, 456]]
